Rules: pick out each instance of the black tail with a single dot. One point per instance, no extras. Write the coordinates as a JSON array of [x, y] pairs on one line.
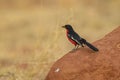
[[91, 46]]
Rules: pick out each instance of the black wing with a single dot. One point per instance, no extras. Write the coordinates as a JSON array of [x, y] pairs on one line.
[[75, 37]]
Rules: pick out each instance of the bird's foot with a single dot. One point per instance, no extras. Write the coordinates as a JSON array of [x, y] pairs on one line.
[[75, 48]]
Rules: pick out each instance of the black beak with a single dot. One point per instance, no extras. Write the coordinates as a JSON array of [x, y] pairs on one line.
[[63, 26]]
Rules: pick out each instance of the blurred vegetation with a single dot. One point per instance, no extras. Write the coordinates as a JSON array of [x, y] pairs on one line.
[[31, 37]]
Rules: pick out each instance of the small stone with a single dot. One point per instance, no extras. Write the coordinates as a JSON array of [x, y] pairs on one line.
[[57, 70]]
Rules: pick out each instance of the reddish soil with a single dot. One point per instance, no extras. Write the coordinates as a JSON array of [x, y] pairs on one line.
[[85, 64]]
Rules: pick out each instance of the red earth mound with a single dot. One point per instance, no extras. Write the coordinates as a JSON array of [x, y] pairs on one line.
[[84, 64]]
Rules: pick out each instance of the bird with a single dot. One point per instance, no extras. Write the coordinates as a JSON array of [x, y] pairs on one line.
[[77, 40]]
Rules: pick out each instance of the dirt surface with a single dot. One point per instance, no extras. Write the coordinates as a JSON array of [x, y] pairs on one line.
[[84, 64]]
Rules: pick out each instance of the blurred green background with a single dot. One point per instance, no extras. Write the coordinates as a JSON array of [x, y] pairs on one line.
[[31, 37]]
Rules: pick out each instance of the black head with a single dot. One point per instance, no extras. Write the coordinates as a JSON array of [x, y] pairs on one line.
[[68, 27]]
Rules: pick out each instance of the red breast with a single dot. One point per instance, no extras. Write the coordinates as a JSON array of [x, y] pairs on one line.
[[73, 42]]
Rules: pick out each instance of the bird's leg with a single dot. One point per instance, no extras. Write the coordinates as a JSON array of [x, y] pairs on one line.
[[82, 45], [76, 46]]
